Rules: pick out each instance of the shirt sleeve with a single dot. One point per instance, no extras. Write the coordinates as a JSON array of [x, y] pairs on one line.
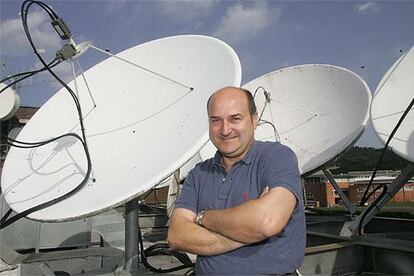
[[281, 170], [188, 195]]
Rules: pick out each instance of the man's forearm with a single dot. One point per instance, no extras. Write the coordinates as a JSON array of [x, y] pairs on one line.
[[254, 220], [189, 237], [240, 223]]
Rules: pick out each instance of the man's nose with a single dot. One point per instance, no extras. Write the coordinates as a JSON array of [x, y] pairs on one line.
[[225, 128]]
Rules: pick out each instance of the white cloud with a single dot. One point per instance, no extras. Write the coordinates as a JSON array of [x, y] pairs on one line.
[[13, 39], [63, 71], [366, 8], [186, 10], [241, 23], [14, 44]]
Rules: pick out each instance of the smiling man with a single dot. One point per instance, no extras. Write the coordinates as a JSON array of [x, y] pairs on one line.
[[241, 212]]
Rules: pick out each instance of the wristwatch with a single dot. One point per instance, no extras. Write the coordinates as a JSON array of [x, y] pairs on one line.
[[199, 218]]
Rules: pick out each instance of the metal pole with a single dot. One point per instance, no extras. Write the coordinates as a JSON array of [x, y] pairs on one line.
[[338, 189], [394, 187], [305, 201], [131, 237]]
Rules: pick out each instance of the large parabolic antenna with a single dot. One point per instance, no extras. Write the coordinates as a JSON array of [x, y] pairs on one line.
[[318, 110], [9, 103], [392, 97], [145, 125]]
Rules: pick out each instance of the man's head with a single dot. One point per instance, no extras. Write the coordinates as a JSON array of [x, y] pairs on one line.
[[250, 99], [232, 121]]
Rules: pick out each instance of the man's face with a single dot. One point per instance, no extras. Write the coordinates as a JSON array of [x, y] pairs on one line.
[[231, 126]]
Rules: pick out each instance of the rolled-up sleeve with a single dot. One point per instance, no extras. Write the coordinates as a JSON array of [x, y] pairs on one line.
[[282, 170]]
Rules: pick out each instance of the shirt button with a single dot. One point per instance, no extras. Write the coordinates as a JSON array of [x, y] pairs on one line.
[[224, 179]]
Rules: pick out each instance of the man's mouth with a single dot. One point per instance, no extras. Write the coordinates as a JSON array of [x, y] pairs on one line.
[[228, 138]]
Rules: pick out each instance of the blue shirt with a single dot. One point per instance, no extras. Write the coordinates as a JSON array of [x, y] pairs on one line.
[[208, 186]]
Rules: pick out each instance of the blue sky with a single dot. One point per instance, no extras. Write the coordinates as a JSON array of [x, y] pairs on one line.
[[363, 36]]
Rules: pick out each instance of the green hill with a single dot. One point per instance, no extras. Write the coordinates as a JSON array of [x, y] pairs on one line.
[[365, 159]]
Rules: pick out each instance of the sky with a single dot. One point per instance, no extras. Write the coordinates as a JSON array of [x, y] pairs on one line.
[[366, 37]]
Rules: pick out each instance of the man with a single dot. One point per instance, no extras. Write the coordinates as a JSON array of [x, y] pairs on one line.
[[241, 212]]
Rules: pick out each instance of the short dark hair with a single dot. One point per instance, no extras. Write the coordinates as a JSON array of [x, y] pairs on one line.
[[250, 99]]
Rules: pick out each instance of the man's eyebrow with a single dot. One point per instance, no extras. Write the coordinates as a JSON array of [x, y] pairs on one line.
[[232, 115], [235, 115]]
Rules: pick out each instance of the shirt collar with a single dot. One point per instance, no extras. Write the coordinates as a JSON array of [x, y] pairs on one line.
[[248, 158], [217, 159]]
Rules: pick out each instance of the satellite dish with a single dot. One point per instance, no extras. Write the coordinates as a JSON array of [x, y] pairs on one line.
[[208, 150], [145, 125], [184, 170], [394, 92], [9, 103], [317, 110]]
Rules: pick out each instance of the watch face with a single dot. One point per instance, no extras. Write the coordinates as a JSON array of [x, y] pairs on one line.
[[199, 217]]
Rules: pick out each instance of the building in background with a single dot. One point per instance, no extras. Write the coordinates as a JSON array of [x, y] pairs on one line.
[[320, 192]]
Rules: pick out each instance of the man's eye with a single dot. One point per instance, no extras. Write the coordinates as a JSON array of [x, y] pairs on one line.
[[235, 119]]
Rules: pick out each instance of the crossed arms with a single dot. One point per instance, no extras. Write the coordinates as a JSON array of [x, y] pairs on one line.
[[229, 229]]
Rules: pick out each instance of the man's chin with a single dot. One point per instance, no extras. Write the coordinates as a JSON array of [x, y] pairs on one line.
[[228, 152]]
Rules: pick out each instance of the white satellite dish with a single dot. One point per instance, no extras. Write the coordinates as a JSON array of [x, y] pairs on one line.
[[9, 103], [184, 170], [393, 95], [318, 110], [143, 128], [208, 150]]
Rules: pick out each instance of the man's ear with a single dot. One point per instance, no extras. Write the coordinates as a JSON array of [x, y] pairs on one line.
[[255, 119]]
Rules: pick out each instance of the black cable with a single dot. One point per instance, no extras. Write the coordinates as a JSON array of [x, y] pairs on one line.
[[190, 272], [162, 249], [30, 145], [257, 89], [372, 206], [27, 74], [4, 223], [384, 191], [266, 94], [374, 190], [261, 121], [6, 216], [49, 11], [158, 206], [53, 16], [24, 12], [364, 197]]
